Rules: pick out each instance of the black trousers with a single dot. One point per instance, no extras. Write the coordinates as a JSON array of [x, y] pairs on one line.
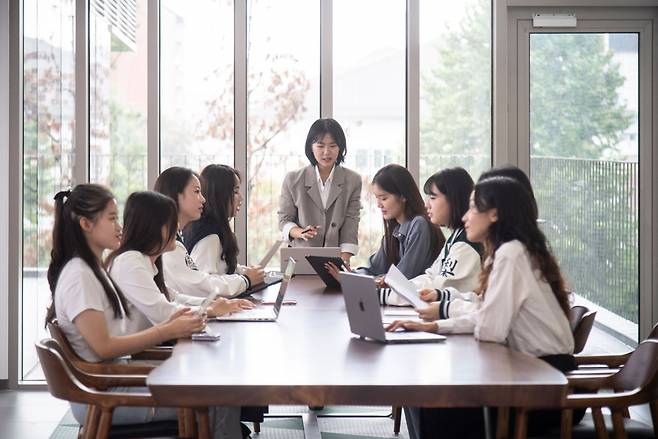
[[469, 423]]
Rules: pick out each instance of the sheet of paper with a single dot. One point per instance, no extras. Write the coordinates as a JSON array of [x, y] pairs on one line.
[[404, 287]]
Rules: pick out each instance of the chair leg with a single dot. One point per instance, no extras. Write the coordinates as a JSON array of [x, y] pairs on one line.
[[257, 427], [91, 422], [619, 431], [204, 422], [397, 419], [104, 424], [599, 423], [567, 424], [654, 416], [502, 424]]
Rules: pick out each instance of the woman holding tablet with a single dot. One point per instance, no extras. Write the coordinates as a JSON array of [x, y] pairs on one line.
[[525, 303], [320, 204]]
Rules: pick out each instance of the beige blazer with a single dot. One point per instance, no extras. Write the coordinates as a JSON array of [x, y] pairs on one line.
[[300, 203]]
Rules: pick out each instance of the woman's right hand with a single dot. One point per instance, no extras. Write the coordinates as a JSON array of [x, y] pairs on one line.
[[304, 233], [428, 294], [255, 274], [182, 324]]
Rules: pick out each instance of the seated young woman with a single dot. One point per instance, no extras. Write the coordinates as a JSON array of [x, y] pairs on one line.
[[150, 224], [410, 240], [210, 240], [525, 303], [180, 270], [92, 311], [455, 272]]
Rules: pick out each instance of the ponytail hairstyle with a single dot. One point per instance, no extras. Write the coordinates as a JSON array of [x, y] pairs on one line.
[[516, 221], [144, 216], [172, 182], [84, 201], [456, 185], [218, 183], [397, 180]]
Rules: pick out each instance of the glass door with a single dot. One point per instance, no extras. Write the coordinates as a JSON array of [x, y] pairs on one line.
[[581, 121]]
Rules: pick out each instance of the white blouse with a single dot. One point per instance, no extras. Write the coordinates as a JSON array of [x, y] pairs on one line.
[[519, 308], [207, 254], [133, 272], [78, 290], [182, 277]]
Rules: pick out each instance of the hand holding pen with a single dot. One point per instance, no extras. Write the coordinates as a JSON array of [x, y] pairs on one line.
[[305, 233]]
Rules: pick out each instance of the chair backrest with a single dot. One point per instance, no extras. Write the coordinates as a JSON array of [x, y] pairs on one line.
[[577, 313], [66, 349], [654, 332], [62, 382], [582, 330], [640, 370]]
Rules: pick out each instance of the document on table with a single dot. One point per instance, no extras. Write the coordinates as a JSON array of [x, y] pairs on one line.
[[404, 287]]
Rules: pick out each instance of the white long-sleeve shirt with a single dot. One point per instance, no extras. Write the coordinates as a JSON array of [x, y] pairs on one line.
[[182, 277], [519, 308], [133, 272], [207, 254]]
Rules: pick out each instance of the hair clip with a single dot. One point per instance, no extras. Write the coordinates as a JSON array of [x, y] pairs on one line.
[[61, 194]]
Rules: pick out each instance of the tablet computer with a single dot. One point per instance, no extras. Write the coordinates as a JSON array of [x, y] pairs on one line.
[[318, 262]]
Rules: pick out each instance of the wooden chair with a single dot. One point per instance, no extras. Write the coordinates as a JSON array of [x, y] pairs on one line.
[[636, 383], [63, 383], [123, 375], [581, 321]]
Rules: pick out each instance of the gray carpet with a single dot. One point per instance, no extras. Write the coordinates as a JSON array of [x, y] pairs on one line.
[[292, 428]]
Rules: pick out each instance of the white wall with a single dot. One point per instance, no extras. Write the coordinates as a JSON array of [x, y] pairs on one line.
[[4, 185]]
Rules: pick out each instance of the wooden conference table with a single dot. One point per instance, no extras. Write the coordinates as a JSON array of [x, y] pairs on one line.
[[310, 357]]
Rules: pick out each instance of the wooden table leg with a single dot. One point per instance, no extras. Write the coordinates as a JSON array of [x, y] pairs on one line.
[[502, 424], [521, 423], [204, 422]]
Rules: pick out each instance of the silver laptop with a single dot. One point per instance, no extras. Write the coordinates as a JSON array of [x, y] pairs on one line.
[[264, 313], [365, 315], [299, 254]]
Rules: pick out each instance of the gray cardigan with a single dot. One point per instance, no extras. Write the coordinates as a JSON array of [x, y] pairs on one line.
[[415, 241], [300, 203]]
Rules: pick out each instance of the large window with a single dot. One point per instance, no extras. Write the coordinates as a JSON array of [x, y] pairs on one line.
[[455, 86], [48, 159], [365, 87], [584, 163], [369, 97], [117, 98], [283, 100], [196, 83]]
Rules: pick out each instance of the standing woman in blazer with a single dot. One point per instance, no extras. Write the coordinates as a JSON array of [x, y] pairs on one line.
[[320, 203]]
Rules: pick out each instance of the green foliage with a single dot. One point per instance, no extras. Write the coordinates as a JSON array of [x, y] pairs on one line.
[[574, 107]]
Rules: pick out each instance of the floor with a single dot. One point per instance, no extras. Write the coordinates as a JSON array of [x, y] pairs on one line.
[[28, 414]]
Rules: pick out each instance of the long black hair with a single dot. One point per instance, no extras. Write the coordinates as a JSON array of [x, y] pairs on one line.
[[317, 131], [517, 174], [218, 183], [84, 201], [172, 182], [397, 180], [456, 185], [144, 216], [516, 221]]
